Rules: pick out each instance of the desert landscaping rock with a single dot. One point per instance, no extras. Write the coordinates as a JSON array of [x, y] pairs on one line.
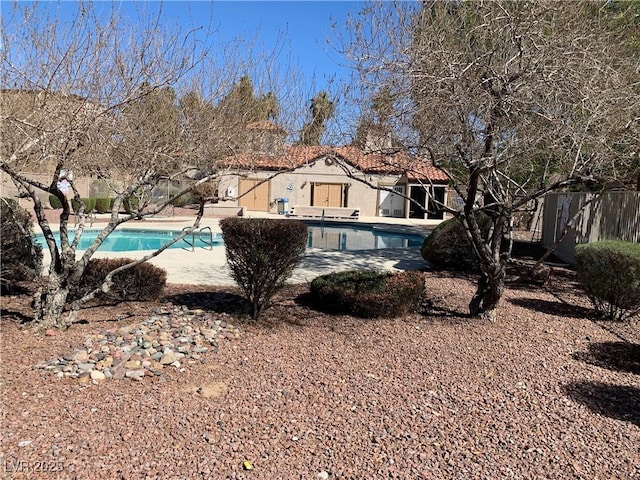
[[171, 335], [304, 395], [168, 358], [97, 375]]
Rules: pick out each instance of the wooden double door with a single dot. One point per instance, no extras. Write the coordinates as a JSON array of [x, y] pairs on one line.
[[328, 195], [256, 199]]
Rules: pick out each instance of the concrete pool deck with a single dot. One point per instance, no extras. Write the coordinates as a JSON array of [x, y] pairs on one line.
[[209, 267]]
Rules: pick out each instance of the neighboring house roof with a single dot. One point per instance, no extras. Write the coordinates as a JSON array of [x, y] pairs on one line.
[[399, 163]]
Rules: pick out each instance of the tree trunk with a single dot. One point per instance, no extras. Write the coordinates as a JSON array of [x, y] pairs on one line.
[[49, 304], [488, 294]]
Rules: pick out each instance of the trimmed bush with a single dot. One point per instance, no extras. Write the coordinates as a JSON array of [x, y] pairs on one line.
[[140, 283], [89, 205], [448, 246], [55, 202], [368, 293], [131, 204], [103, 204], [609, 272], [183, 200], [21, 257], [262, 254]]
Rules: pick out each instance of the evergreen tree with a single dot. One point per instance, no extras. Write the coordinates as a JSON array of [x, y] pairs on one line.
[[322, 109]]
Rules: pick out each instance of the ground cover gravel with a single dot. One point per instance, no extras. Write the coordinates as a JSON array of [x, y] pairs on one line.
[[544, 392]]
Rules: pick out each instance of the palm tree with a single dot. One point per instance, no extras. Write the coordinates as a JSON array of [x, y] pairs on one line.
[[322, 109]]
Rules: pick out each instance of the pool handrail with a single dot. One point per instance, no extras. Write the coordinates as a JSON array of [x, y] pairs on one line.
[[209, 243], [192, 243], [184, 239]]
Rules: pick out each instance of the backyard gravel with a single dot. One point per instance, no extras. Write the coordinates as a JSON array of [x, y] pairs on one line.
[[545, 392]]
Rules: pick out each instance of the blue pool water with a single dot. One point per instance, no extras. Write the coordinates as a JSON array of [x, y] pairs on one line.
[[355, 237], [127, 240], [343, 237]]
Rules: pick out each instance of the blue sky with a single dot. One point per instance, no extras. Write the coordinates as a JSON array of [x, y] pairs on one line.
[[299, 30], [303, 26], [304, 33]]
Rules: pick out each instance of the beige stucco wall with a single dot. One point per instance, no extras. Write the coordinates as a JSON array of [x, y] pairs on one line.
[[296, 186], [8, 189]]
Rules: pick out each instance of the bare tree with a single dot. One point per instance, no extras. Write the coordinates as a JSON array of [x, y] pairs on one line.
[[511, 99], [101, 96]]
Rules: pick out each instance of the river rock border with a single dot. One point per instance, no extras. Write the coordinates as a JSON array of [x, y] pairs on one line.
[[170, 338]]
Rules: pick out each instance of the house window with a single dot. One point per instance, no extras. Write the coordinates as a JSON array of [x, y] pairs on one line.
[[427, 201], [436, 200]]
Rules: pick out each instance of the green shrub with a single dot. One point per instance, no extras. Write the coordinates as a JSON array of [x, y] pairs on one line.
[[183, 200], [89, 205], [75, 205], [262, 254], [131, 204], [609, 272], [368, 293], [142, 282], [55, 202], [448, 246], [21, 257], [103, 204]]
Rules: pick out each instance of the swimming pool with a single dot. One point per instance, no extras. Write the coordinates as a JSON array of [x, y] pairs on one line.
[[130, 239], [327, 237], [358, 237]]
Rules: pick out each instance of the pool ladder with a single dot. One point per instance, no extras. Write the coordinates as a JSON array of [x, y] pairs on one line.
[[207, 241]]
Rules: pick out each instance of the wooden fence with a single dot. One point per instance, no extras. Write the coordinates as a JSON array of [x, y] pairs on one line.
[[608, 216]]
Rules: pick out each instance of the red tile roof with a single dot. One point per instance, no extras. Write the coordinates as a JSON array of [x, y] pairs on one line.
[[400, 163]]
